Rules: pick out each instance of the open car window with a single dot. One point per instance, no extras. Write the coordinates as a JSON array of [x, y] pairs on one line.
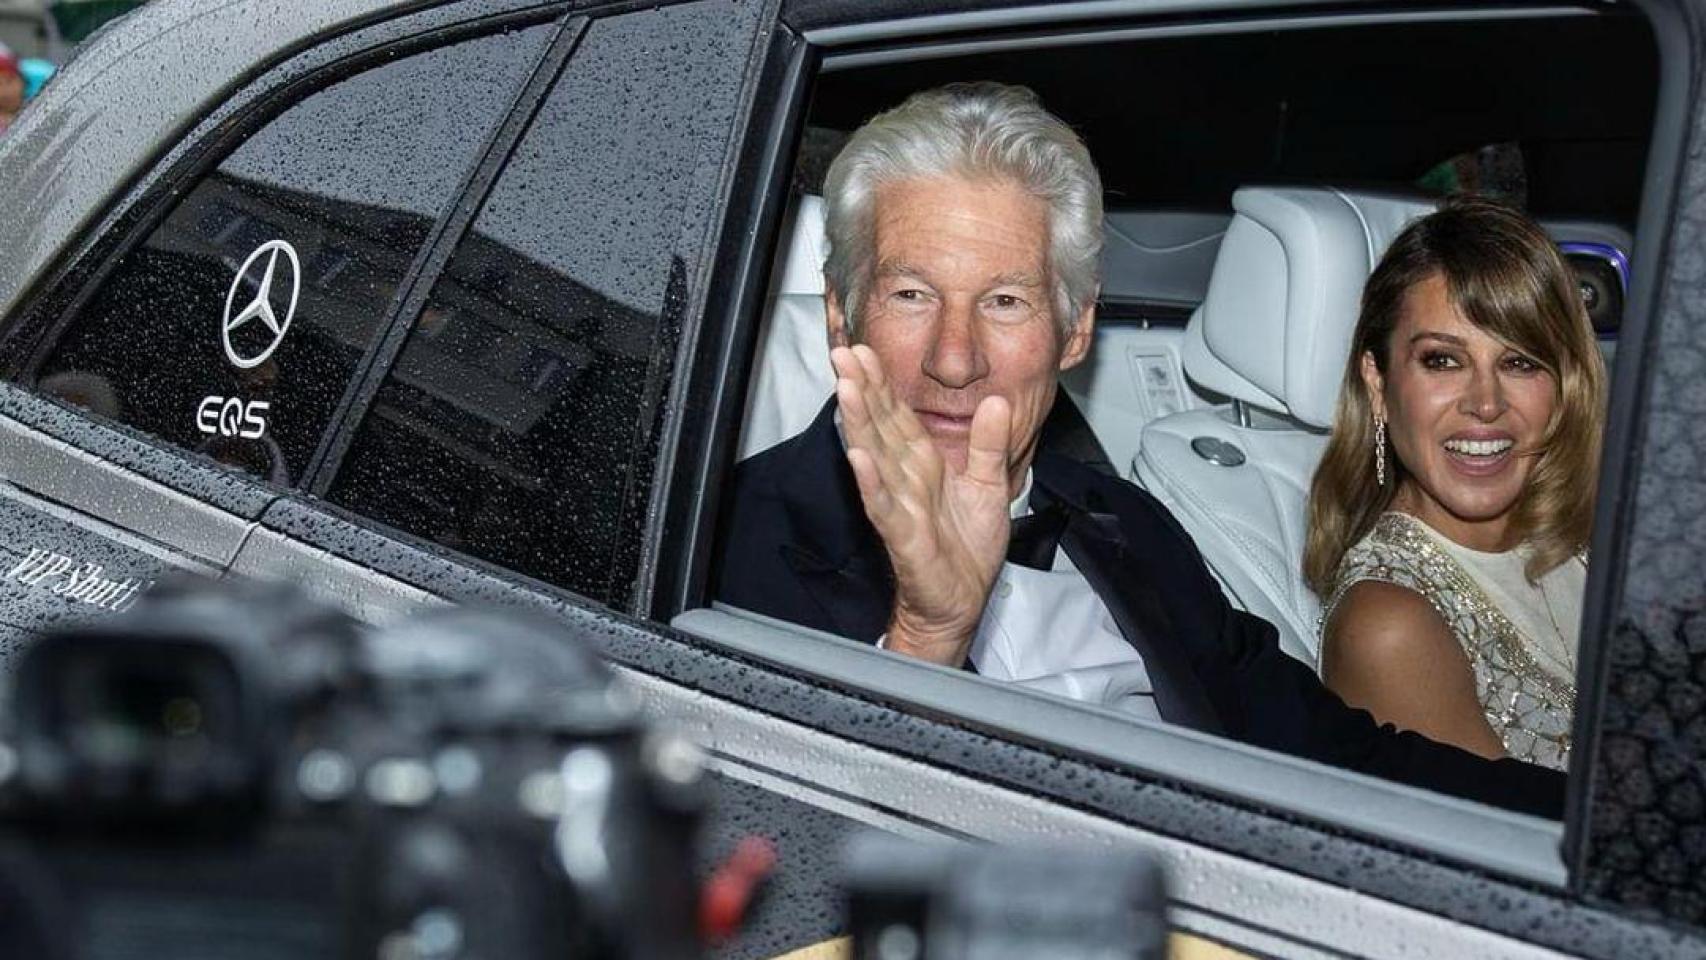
[[1201, 116]]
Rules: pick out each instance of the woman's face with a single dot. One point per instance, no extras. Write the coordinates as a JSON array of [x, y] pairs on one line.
[[1465, 415]]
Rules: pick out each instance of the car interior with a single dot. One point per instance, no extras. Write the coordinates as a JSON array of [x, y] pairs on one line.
[[1253, 174]]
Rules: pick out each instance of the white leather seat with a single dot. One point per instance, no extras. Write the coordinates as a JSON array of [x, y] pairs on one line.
[[1273, 334], [792, 377]]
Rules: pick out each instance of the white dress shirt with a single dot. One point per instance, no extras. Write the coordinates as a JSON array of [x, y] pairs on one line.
[[1048, 630]]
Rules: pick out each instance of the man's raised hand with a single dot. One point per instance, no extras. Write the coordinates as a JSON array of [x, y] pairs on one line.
[[945, 533]]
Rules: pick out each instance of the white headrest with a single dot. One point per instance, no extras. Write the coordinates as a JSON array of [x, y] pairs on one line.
[[791, 377], [1282, 302], [802, 267]]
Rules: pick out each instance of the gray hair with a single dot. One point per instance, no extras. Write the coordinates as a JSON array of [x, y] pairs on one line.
[[975, 131]]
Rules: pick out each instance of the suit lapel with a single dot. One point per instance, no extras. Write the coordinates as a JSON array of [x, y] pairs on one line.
[[834, 552], [853, 593], [1097, 540]]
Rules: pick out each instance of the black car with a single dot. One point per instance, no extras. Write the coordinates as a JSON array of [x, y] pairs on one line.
[[483, 299]]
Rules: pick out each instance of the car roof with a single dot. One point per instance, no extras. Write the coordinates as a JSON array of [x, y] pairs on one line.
[[70, 154]]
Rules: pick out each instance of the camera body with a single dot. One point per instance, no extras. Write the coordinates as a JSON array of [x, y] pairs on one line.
[[909, 900], [242, 772]]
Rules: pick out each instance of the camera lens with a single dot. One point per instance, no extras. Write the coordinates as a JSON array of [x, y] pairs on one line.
[[119, 710]]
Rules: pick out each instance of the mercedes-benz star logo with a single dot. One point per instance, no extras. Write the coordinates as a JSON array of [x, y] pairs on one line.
[[261, 306]]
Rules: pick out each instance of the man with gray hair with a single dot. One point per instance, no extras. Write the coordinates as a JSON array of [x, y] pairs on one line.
[[924, 511]]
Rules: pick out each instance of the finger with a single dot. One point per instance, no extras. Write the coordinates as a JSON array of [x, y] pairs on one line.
[[884, 425], [894, 417], [887, 428], [871, 377], [846, 364], [986, 449], [896, 421], [885, 511], [872, 366], [864, 430], [855, 415], [911, 475], [854, 395], [871, 491]]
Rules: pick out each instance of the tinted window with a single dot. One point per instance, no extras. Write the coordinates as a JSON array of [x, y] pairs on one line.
[[519, 422], [235, 326]]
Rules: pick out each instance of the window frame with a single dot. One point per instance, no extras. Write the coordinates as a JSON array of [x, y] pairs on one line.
[[436, 253], [1533, 852], [55, 295], [710, 259], [1599, 801]]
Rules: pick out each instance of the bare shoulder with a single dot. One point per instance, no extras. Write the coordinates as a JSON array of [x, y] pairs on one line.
[[1380, 627], [1388, 651]]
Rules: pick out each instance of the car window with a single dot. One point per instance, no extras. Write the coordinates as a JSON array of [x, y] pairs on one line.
[[234, 327], [520, 419], [1225, 466]]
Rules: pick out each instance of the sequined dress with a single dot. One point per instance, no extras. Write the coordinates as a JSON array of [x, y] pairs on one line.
[[1524, 676]]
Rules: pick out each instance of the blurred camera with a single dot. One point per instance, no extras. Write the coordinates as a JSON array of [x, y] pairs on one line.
[[241, 772], [911, 900]]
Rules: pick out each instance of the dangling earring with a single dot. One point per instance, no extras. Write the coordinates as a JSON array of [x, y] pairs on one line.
[[1380, 450]]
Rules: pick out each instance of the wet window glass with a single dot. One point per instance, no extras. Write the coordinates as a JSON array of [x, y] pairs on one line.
[[234, 328], [519, 423]]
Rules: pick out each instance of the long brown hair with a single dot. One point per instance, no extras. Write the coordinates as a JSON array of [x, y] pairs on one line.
[[1505, 275]]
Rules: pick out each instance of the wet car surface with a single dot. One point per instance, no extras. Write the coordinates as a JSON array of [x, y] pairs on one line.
[[529, 245]]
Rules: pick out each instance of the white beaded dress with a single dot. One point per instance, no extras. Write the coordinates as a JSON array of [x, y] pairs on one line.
[[1520, 637]]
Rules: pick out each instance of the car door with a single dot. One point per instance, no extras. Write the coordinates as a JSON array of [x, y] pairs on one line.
[[503, 449], [813, 736], [552, 395]]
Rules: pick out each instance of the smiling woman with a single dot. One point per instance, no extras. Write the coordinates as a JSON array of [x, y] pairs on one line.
[[1453, 558]]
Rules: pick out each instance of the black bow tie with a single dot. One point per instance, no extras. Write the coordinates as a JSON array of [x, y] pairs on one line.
[[1035, 538]]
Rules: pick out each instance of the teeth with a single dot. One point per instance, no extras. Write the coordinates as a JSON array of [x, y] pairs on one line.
[[1479, 448]]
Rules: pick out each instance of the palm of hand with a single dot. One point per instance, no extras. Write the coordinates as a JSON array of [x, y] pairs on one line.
[[948, 564], [945, 532]]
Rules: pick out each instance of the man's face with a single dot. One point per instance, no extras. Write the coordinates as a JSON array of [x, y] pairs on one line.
[[960, 308]]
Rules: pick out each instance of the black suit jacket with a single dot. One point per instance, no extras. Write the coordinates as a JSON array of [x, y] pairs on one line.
[[797, 546]]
